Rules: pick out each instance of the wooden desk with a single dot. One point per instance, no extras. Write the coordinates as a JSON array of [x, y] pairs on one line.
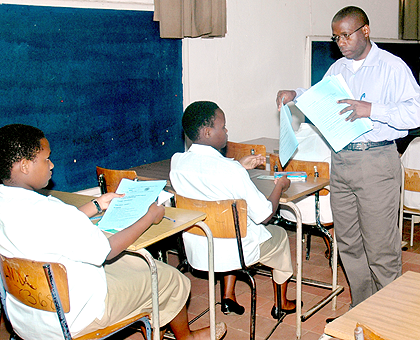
[[183, 219], [295, 191], [393, 312], [158, 170]]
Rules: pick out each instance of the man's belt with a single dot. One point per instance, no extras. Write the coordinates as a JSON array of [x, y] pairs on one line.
[[362, 146]]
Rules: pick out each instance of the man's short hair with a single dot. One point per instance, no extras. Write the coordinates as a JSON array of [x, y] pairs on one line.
[[196, 116], [352, 11], [17, 142]]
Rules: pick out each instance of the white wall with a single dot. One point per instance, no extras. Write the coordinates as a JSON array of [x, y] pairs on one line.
[[263, 52]]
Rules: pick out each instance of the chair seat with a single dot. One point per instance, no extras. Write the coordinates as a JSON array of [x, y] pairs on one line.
[[101, 333], [411, 210], [307, 209]]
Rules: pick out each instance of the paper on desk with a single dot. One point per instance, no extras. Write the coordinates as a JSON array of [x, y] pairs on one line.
[[287, 141], [123, 212], [319, 104]]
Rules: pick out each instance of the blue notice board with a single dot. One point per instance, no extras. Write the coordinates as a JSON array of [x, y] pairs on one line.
[[102, 85]]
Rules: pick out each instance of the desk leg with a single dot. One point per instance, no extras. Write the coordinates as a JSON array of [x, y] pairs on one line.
[[298, 268], [155, 293], [212, 294]]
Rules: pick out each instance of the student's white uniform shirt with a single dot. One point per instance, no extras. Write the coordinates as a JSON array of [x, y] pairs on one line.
[[43, 228], [203, 173]]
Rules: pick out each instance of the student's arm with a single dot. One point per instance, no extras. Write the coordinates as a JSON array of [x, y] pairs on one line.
[[281, 185], [122, 239], [90, 208]]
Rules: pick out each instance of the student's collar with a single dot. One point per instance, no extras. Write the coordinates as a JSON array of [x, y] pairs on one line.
[[204, 149]]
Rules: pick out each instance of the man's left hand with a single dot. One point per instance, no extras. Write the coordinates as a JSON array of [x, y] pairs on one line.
[[360, 108]]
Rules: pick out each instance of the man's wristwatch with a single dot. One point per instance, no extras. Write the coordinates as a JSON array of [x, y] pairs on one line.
[[98, 207]]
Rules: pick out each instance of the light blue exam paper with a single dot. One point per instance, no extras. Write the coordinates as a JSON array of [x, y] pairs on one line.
[[319, 104], [123, 212], [287, 141]]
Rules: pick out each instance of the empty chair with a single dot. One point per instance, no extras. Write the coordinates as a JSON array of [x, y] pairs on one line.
[[109, 179], [410, 184], [240, 150], [308, 205], [411, 198], [44, 286]]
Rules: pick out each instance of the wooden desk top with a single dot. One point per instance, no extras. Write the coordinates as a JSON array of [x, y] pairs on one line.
[[183, 219], [158, 170], [393, 312], [296, 189]]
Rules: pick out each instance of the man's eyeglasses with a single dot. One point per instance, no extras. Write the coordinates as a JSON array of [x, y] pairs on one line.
[[344, 36]]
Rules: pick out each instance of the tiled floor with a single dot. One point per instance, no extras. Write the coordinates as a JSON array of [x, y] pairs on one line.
[[316, 268]]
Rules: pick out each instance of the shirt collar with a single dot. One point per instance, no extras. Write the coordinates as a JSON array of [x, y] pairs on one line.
[[372, 59], [204, 150]]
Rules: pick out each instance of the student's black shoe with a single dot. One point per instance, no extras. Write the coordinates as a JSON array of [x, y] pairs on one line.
[[275, 312], [229, 306]]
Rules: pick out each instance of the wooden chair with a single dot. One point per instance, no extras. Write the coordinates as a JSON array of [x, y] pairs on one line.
[[323, 169], [368, 333], [108, 179], [239, 150], [410, 182], [228, 219], [46, 288]]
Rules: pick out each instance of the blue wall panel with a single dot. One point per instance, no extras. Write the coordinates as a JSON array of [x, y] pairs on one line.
[[101, 84]]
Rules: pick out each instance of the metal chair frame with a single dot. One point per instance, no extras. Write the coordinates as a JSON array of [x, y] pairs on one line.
[[246, 271]]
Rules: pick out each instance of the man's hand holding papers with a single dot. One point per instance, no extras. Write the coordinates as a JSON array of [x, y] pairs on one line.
[[322, 104]]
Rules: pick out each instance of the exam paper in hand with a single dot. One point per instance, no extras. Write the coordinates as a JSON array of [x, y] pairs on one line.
[[319, 104], [123, 212], [287, 141]]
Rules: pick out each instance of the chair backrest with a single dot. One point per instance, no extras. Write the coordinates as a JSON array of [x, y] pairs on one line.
[[239, 150], [109, 179], [412, 179], [323, 168], [26, 280], [220, 216]]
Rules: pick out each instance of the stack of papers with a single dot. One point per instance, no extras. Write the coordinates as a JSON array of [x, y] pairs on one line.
[[319, 104], [123, 212]]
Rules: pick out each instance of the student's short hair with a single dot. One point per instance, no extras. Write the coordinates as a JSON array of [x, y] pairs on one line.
[[17, 142], [196, 116], [352, 11]]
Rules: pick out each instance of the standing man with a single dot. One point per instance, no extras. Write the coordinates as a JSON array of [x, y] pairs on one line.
[[366, 174]]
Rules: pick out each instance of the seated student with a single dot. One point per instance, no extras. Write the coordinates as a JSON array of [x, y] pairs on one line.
[[45, 229], [203, 173]]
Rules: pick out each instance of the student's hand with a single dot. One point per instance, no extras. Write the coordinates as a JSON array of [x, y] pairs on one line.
[[288, 96], [105, 199], [157, 212], [283, 181], [360, 108], [252, 161]]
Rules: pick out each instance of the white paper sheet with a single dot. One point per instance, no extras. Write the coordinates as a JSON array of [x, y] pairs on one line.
[[287, 141], [123, 212]]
